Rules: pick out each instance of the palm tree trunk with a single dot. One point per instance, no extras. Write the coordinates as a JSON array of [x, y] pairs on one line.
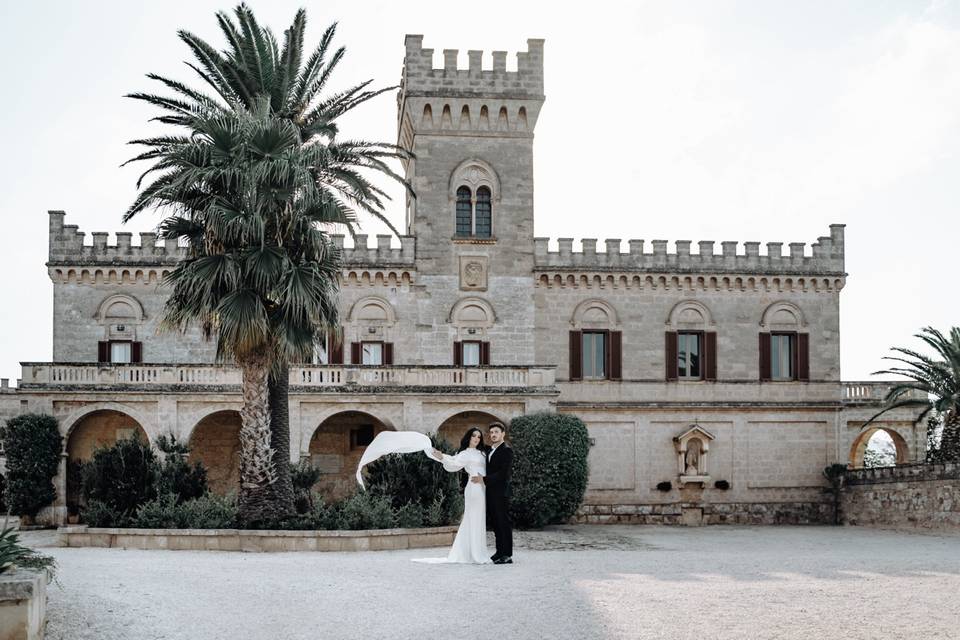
[[279, 386], [257, 471], [950, 439]]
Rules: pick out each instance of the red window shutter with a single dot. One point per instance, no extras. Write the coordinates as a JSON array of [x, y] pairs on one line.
[[670, 354], [387, 353], [458, 354], [484, 353], [576, 355], [136, 352], [356, 352], [764, 356], [616, 355], [710, 355], [803, 356], [336, 352], [103, 351]]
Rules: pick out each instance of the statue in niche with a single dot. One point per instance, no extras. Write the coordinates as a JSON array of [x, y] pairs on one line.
[[691, 458]]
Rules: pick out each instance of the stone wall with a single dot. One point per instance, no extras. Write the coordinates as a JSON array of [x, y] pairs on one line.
[[918, 496]]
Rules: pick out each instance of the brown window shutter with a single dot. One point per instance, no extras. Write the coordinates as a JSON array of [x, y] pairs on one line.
[[336, 352], [764, 356], [576, 355], [710, 355], [388, 353], [458, 354], [484, 353], [616, 355], [356, 356], [103, 351], [136, 352], [803, 356], [670, 354]]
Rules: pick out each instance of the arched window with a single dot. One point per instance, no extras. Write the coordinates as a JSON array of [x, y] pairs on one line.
[[483, 223], [464, 212]]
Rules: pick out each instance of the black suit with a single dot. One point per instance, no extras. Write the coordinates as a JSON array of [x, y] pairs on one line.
[[498, 497]]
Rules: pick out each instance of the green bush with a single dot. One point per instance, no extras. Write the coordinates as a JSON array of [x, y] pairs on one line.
[[97, 513], [417, 479], [549, 475], [366, 510], [210, 511], [32, 444], [122, 477], [175, 474], [410, 516], [303, 476], [163, 512]]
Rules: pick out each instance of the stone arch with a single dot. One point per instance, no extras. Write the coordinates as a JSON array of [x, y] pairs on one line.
[[474, 173], [859, 446], [372, 309], [454, 426], [335, 448], [594, 314], [120, 315], [783, 315], [690, 314], [426, 120], [472, 312], [215, 443]]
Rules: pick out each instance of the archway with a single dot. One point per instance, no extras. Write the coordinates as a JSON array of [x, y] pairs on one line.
[[335, 449], [453, 428], [859, 448], [95, 430], [215, 443]]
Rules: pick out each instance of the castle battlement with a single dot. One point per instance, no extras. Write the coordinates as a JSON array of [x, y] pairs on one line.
[[827, 256], [420, 78], [67, 248]]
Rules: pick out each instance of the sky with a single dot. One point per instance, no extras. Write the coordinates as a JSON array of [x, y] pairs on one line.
[[702, 120]]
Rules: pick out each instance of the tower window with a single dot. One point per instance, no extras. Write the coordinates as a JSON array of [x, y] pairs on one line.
[[483, 222], [464, 212]]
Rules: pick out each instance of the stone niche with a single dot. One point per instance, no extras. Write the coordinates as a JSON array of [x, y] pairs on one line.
[[693, 447]]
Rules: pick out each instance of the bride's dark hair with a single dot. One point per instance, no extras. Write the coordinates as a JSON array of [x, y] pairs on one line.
[[465, 440]]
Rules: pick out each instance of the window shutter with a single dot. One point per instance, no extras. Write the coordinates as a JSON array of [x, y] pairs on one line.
[[616, 355], [356, 352], [485, 353], [803, 356], [458, 354], [670, 354], [336, 352], [764, 356], [388, 353], [103, 351], [710, 355], [136, 352], [576, 355]]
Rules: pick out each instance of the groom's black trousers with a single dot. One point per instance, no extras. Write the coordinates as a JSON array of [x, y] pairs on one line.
[[498, 513]]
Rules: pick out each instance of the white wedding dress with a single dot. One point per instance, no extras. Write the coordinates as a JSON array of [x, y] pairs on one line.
[[470, 543]]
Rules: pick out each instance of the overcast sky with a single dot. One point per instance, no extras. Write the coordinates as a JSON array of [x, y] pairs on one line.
[[760, 120]]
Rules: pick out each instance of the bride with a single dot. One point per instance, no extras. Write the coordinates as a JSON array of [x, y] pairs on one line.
[[470, 544]]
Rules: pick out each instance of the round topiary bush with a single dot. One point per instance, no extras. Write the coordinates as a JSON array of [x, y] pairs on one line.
[[32, 444], [549, 475]]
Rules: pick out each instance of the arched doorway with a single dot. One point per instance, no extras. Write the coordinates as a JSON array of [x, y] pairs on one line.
[[336, 447], [858, 450], [93, 431], [455, 426], [215, 443]]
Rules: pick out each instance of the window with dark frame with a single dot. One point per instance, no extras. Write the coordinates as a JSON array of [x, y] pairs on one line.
[[464, 212], [783, 356], [372, 353], [690, 355], [594, 354], [471, 353], [120, 351], [483, 222]]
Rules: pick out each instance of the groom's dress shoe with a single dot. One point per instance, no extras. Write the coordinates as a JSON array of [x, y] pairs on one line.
[[495, 557], [504, 560]]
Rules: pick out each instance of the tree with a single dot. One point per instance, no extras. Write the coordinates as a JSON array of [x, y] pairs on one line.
[[255, 76], [932, 386], [33, 445]]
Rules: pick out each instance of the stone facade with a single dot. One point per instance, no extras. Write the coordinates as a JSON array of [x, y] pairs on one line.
[[921, 496], [469, 318]]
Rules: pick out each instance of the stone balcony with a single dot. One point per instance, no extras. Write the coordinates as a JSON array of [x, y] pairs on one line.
[[47, 376], [872, 392]]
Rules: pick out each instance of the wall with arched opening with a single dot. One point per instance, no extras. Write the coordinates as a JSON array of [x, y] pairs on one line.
[[215, 443], [859, 447], [336, 447], [453, 428]]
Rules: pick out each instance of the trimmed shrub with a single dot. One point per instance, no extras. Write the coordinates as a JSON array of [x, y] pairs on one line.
[[303, 476], [206, 512], [175, 474], [410, 516], [32, 444], [417, 479], [549, 475], [97, 513], [163, 512], [366, 510], [123, 477]]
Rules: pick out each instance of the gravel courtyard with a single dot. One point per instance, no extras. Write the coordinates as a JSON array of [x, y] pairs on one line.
[[568, 582]]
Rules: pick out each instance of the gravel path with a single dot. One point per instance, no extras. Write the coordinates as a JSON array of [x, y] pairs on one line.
[[569, 582]]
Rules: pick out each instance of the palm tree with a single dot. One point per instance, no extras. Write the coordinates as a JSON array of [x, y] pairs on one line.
[[256, 76], [932, 385]]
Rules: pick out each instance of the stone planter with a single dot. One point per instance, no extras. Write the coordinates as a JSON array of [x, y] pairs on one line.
[[256, 541], [23, 604]]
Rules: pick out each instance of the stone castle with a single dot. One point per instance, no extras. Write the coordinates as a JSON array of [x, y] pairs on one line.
[[710, 381]]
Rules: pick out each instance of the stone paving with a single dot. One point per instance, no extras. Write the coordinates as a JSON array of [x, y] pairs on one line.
[[568, 582]]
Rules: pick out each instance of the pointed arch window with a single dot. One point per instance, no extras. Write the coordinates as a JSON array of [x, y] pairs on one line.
[[483, 211], [464, 212]]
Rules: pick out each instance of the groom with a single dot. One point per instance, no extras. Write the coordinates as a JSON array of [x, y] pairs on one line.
[[499, 461]]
